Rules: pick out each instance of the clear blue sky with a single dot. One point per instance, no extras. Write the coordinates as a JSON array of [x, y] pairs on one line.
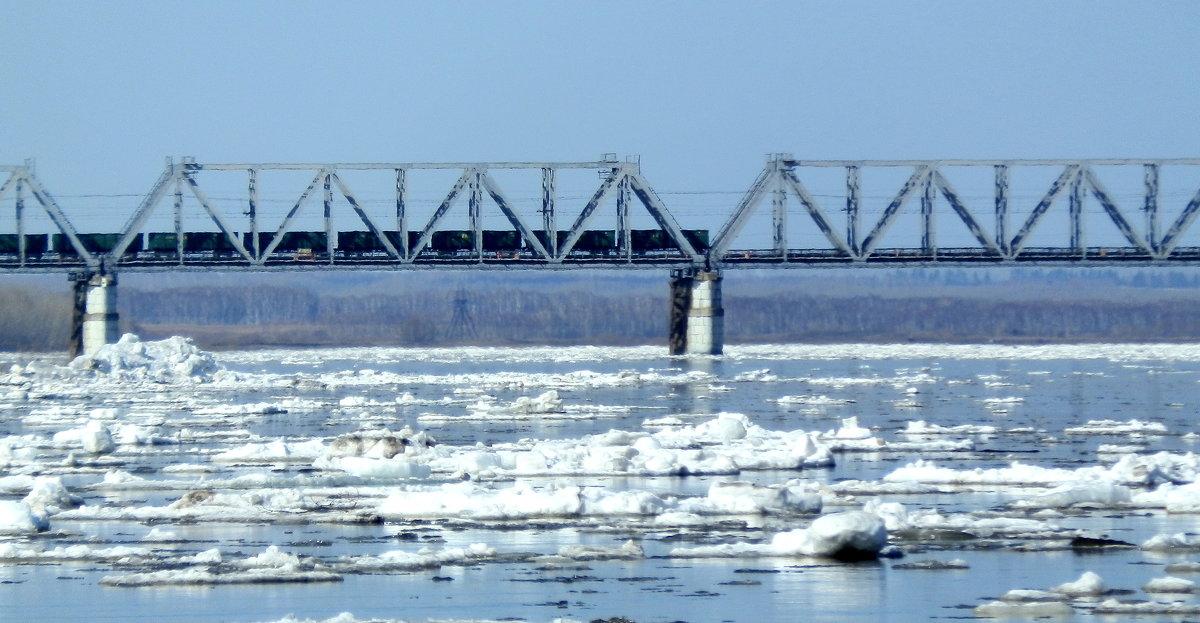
[[99, 92]]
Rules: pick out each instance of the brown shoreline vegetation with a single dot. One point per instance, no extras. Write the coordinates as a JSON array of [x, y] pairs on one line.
[[554, 310]]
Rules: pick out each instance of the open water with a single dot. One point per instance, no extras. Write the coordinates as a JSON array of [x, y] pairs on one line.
[[1031, 395]]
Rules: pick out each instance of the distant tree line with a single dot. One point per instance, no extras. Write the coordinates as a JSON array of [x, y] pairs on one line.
[[34, 319], [794, 308], [791, 317], [283, 316]]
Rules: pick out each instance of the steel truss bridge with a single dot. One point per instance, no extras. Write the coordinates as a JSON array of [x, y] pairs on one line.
[[796, 214]]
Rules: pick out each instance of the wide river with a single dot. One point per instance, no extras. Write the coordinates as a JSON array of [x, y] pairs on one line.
[[256, 437]]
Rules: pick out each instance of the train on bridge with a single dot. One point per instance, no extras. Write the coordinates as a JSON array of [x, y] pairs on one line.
[[298, 246]]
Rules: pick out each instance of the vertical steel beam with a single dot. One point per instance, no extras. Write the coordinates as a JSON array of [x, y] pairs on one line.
[[1002, 210], [1076, 213], [928, 234], [20, 208], [253, 213], [474, 205], [853, 185], [624, 246], [179, 241], [779, 214], [402, 211], [549, 224], [330, 241], [1151, 207]]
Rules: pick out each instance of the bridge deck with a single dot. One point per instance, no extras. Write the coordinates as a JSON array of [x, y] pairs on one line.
[[734, 259]]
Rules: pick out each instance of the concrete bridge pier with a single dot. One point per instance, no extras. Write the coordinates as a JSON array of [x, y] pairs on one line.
[[697, 320], [94, 321]]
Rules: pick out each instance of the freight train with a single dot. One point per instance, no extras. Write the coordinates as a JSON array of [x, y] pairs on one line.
[[300, 245]]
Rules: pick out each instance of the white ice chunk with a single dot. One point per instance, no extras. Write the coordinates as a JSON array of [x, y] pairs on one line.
[[1093, 493], [1169, 584], [18, 517], [173, 359], [853, 535], [48, 496], [1023, 610], [94, 437], [1088, 584], [1168, 542], [393, 468]]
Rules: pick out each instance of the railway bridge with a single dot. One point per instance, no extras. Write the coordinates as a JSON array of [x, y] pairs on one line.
[[603, 214]]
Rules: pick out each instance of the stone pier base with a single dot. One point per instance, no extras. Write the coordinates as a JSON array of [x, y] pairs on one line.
[[95, 317], [697, 320]]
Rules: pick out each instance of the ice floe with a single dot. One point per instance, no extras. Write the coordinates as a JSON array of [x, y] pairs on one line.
[[1113, 427], [851, 535], [472, 501], [273, 566], [18, 517], [172, 359], [921, 427], [145, 441]]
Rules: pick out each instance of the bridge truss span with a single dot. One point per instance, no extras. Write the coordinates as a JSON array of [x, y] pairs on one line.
[[507, 215], [965, 212], [410, 215]]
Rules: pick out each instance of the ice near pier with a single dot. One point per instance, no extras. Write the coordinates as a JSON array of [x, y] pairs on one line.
[[567, 466]]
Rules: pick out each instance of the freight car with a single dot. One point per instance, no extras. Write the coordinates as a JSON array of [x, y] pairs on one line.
[[35, 244]]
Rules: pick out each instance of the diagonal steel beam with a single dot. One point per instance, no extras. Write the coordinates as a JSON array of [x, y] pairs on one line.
[[889, 214], [658, 210], [963, 213], [13, 180], [291, 215], [814, 211], [217, 218], [463, 182], [1035, 217], [133, 227], [577, 230], [366, 218], [742, 213], [60, 219], [1114, 212], [493, 189], [1180, 225]]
